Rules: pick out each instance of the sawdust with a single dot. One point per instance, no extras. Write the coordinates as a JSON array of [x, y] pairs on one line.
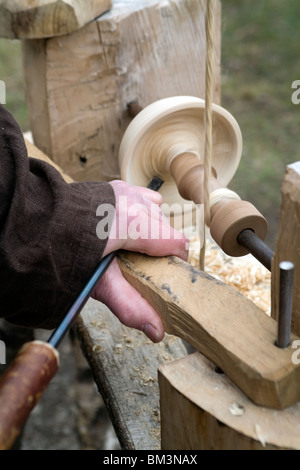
[[245, 273]]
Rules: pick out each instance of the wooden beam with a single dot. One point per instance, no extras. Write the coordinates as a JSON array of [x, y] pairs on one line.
[[79, 86], [219, 322], [202, 409], [47, 18], [288, 240]]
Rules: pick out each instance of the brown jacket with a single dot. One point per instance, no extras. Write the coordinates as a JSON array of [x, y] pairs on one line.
[[48, 242]]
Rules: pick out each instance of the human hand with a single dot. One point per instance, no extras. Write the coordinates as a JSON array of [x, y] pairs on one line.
[[139, 225]]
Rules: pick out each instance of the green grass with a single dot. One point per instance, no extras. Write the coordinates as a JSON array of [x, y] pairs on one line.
[[260, 60], [12, 74]]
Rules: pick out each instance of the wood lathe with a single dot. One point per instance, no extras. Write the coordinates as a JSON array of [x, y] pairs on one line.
[[166, 140], [164, 144]]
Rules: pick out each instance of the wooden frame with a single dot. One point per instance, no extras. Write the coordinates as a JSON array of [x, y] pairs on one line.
[[78, 96]]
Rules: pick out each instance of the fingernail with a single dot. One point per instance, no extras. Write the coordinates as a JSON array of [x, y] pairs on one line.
[[151, 332]]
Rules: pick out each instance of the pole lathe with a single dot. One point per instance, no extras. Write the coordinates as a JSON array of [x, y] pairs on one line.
[[163, 145], [167, 139]]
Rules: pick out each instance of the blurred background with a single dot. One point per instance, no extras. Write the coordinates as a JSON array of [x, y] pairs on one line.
[[260, 61]]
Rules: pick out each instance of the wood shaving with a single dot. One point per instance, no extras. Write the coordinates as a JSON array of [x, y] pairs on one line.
[[146, 380], [117, 348], [260, 436], [246, 274], [127, 339], [236, 409]]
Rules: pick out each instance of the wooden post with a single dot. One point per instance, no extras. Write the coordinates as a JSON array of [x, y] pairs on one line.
[[288, 240], [202, 409], [79, 86]]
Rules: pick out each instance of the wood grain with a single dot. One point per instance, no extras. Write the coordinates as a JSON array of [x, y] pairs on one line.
[[203, 410], [22, 385], [219, 322], [78, 86], [124, 363], [46, 18], [288, 240]]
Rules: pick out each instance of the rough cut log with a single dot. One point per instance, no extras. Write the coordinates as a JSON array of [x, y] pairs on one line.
[[125, 365], [202, 409], [45, 18], [220, 323], [288, 240], [79, 86]]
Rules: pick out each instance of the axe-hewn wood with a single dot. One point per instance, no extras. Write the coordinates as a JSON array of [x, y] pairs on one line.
[[219, 322]]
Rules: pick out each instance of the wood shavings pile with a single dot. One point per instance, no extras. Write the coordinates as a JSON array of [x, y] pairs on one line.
[[244, 273]]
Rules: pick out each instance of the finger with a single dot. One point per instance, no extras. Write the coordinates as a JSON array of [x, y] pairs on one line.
[[127, 304], [163, 247], [150, 194], [154, 236], [121, 187]]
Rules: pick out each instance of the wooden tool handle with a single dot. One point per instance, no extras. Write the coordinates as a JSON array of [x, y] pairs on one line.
[[22, 385]]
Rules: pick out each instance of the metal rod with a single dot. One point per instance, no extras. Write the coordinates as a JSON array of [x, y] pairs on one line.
[[249, 240], [286, 279], [61, 331]]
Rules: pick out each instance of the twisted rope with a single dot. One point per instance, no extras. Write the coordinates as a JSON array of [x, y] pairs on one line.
[[209, 83]]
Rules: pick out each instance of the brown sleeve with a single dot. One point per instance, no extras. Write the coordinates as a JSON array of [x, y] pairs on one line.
[[48, 242]]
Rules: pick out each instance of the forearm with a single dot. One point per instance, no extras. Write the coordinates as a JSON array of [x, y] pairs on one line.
[[48, 242]]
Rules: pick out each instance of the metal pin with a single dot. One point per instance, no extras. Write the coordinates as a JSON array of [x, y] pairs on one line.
[[286, 280], [249, 240]]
